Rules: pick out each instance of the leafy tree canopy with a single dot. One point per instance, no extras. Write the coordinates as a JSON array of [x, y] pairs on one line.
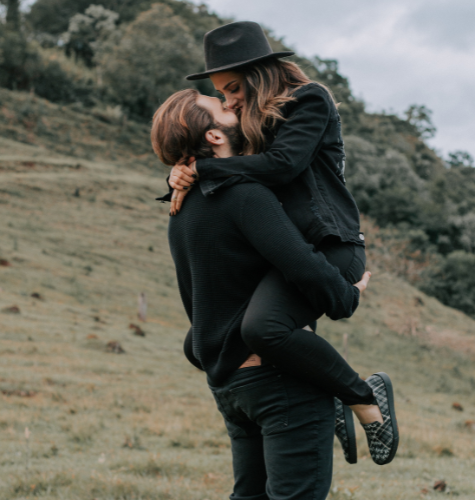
[[459, 159], [150, 60], [86, 30]]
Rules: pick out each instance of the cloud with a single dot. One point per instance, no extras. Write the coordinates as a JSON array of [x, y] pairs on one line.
[[444, 24]]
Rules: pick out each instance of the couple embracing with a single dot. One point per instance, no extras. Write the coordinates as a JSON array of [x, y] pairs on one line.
[[266, 239]]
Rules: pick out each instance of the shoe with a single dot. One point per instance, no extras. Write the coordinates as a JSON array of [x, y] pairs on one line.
[[383, 439], [345, 431]]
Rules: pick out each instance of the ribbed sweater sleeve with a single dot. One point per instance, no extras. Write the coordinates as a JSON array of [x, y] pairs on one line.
[[267, 227]]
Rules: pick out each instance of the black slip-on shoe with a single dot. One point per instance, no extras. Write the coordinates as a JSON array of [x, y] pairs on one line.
[[345, 431], [383, 439]]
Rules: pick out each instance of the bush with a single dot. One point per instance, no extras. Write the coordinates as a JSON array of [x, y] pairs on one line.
[[384, 185], [452, 281], [53, 83], [23, 68]]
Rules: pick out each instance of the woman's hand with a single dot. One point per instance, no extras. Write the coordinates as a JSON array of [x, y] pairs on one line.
[[182, 179], [361, 285], [177, 201], [183, 176]]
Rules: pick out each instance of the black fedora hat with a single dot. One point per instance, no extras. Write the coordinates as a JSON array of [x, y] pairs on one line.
[[233, 46]]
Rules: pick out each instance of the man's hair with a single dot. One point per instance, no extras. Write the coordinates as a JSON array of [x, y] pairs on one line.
[[179, 128]]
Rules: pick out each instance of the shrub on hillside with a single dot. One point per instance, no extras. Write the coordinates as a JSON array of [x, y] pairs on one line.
[[452, 281], [384, 185], [53, 83], [23, 68]]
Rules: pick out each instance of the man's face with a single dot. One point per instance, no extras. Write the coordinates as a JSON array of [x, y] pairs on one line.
[[225, 120], [221, 116]]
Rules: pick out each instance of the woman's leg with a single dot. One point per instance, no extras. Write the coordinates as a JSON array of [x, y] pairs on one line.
[[273, 328]]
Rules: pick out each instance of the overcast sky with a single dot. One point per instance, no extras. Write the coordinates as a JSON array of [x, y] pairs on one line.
[[394, 52]]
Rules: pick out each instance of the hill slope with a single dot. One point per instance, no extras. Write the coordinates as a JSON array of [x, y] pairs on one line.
[[81, 229]]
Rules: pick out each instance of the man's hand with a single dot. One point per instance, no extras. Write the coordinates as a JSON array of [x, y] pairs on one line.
[[183, 176], [361, 285]]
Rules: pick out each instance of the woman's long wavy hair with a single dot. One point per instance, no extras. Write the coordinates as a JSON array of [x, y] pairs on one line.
[[268, 86]]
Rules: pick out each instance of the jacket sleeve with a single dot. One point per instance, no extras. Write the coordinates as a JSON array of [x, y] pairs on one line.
[[267, 227], [290, 154]]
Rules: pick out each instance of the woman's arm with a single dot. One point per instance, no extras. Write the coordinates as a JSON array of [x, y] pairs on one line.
[[269, 230], [296, 142]]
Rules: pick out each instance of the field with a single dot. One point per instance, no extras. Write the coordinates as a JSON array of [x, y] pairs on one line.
[[81, 236]]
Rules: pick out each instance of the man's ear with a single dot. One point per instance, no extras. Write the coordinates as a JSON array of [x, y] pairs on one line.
[[215, 137]]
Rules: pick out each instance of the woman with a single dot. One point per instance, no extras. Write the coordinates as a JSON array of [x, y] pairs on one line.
[[293, 145]]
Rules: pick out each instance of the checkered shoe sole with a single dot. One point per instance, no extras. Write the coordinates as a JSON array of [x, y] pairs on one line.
[[382, 438], [345, 431]]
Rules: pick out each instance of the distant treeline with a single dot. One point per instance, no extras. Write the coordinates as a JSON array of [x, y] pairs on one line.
[[134, 54]]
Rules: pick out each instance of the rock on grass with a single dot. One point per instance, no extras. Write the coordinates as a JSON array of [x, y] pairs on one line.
[[115, 347], [11, 310]]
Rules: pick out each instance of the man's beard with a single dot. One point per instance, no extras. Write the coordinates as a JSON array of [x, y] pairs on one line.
[[235, 137]]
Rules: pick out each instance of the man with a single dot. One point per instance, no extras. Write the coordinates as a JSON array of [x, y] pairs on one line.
[[281, 428]]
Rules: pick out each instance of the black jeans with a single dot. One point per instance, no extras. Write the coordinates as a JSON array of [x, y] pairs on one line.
[[281, 432], [273, 328]]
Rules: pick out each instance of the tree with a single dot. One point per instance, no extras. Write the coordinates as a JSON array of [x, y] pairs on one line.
[[14, 51], [86, 30], [13, 14], [465, 230], [150, 61], [52, 16], [460, 159], [421, 118]]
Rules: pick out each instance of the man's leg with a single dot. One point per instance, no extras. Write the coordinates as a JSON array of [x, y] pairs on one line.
[[249, 470], [299, 459], [297, 424]]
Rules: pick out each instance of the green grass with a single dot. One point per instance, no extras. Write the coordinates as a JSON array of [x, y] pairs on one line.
[[143, 425]]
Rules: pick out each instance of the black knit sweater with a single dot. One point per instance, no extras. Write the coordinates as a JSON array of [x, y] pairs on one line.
[[222, 247]]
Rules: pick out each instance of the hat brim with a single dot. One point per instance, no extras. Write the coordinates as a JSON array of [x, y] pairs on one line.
[[205, 74]]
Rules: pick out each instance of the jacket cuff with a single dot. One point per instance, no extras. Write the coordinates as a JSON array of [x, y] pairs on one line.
[[202, 167], [168, 196]]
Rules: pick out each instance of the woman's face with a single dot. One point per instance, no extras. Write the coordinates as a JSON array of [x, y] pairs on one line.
[[230, 85]]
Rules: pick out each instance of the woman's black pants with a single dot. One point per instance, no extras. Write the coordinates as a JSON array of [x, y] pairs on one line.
[[273, 328]]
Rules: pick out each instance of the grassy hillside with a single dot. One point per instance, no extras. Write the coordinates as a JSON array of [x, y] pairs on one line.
[[79, 227]]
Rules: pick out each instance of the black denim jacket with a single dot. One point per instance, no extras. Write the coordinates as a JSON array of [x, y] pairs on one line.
[[304, 165]]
